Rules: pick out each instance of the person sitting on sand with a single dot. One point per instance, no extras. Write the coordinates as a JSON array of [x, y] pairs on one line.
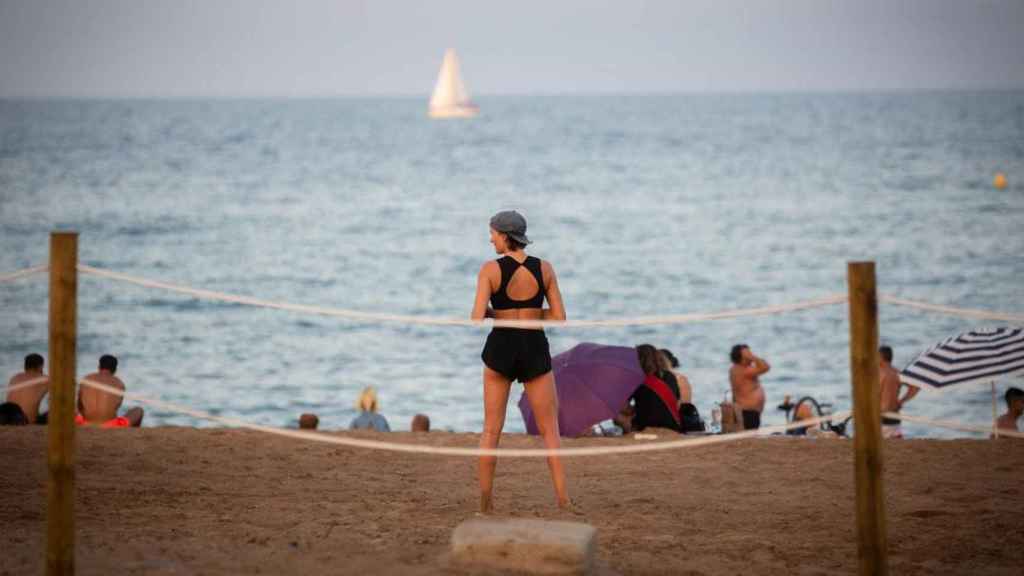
[[29, 388], [744, 378], [688, 413], [420, 423], [308, 421], [368, 418], [890, 390], [99, 407], [685, 390], [802, 411], [1014, 410], [657, 401]]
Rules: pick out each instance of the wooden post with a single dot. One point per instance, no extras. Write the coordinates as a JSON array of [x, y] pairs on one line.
[[60, 512], [872, 540]]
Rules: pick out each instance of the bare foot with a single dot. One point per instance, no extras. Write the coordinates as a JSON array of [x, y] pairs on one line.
[[570, 506]]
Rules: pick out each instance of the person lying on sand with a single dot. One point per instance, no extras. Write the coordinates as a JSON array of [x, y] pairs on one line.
[[29, 397], [99, 407]]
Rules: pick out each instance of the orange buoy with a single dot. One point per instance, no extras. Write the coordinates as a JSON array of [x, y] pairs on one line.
[[999, 181]]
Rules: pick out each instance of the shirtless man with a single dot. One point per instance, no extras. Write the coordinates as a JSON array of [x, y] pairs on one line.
[[890, 389], [100, 407], [1014, 410], [746, 387], [29, 397]]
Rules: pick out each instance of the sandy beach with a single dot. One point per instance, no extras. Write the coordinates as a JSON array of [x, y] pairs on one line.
[[219, 501]]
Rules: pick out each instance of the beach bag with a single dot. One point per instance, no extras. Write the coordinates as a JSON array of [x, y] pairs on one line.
[[690, 418], [732, 417]]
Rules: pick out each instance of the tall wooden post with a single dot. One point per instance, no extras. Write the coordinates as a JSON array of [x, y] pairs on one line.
[[872, 539], [60, 512]]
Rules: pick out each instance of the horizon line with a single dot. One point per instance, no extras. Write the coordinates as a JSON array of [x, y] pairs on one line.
[[539, 93]]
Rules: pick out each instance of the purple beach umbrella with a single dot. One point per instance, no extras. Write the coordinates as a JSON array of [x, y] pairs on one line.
[[594, 381]]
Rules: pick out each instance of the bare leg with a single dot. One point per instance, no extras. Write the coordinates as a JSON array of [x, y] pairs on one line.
[[544, 402], [496, 389], [135, 416]]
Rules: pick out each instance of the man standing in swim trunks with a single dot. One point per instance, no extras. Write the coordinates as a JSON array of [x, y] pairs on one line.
[[890, 390], [744, 377], [29, 397], [99, 406]]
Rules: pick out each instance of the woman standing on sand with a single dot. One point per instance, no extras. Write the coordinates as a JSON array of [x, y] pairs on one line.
[[516, 286]]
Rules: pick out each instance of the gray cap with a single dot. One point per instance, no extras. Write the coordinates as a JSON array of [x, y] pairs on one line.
[[512, 223]]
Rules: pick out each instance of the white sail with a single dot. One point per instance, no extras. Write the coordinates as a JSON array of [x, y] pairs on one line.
[[450, 99]]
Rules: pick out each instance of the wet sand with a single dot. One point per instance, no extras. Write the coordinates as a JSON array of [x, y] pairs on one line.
[[218, 501]]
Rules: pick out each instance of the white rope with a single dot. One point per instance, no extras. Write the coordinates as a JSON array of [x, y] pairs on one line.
[[27, 383], [473, 452], [964, 312], [443, 321], [12, 276], [952, 425]]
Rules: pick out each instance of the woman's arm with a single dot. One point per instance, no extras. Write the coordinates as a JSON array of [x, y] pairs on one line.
[[483, 293], [556, 309]]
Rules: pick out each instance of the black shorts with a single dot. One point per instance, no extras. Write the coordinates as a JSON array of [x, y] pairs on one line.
[[517, 353], [751, 419]]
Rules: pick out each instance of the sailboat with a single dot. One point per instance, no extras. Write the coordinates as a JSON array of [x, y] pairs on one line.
[[450, 99]]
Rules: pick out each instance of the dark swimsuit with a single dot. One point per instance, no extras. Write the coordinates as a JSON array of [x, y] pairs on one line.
[[517, 353]]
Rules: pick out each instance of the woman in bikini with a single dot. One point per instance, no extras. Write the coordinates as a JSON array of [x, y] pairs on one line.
[[516, 286]]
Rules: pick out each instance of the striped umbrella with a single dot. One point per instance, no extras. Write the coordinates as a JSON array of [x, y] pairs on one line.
[[978, 356]]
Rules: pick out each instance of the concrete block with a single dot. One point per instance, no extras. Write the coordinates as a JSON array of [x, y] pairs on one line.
[[524, 545]]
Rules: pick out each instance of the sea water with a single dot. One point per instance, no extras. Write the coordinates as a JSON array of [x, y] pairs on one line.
[[645, 205]]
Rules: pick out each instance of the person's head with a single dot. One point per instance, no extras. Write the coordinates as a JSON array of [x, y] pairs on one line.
[[12, 415], [651, 361], [367, 400], [1015, 401], [508, 231], [673, 362], [33, 363], [885, 353], [736, 354], [108, 363], [420, 423], [309, 421]]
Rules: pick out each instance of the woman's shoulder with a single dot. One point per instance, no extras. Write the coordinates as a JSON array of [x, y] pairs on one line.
[[545, 265], [489, 267]]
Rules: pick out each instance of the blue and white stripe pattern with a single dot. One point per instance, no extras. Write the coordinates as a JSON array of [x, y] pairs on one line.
[[972, 357]]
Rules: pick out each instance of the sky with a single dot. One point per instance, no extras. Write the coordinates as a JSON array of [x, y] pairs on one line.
[[315, 48]]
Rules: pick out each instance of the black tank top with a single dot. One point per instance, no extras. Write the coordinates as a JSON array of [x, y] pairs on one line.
[[500, 300]]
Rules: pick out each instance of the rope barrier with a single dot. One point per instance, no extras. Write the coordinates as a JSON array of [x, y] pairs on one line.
[[18, 274], [443, 321], [27, 383], [473, 452], [952, 425], [964, 312]]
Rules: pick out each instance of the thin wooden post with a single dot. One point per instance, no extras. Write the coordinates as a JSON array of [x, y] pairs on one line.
[[995, 413], [872, 540], [60, 512]]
